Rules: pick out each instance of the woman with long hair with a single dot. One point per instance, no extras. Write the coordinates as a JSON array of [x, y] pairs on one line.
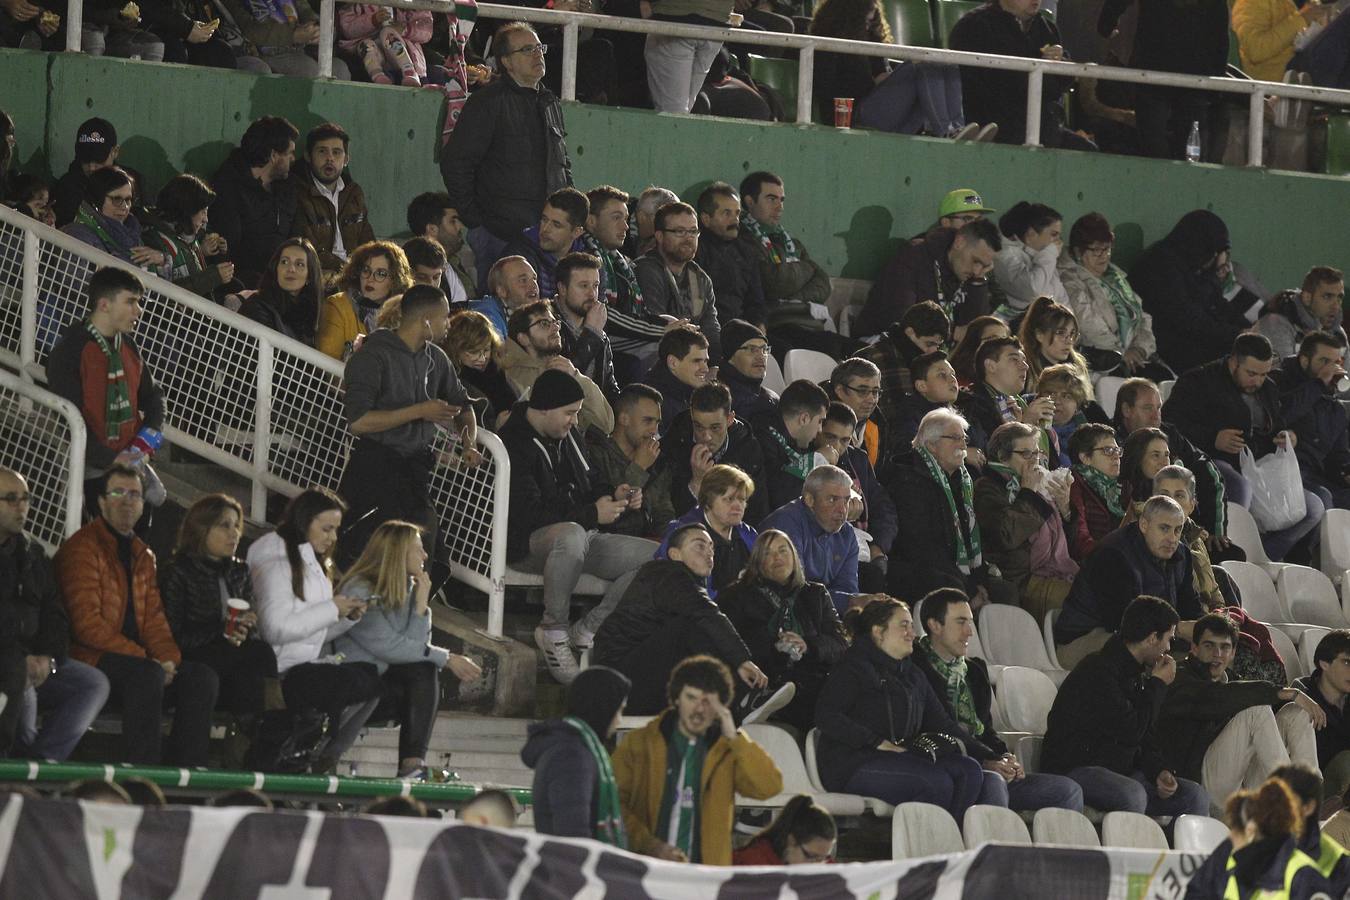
[[394, 635], [803, 832], [1049, 337], [1145, 454], [980, 329], [877, 690], [788, 623], [105, 221], [196, 583], [473, 346], [293, 574], [373, 273], [288, 297], [1025, 268], [178, 227], [575, 792]]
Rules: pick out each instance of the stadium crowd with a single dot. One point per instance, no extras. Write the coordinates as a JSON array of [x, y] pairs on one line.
[[817, 556]]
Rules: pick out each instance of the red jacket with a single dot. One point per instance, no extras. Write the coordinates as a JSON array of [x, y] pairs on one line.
[[758, 852], [94, 586], [1091, 520]]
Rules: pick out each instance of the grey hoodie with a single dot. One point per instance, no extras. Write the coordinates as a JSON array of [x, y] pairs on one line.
[[385, 375]]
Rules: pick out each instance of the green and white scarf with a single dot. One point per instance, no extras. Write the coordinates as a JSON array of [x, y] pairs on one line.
[[798, 461], [616, 268], [677, 823], [1103, 486], [608, 812], [958, 686], [85, 216], [967, 555], [117, 409], [1014, 482], [1126, 303], [765, 235]]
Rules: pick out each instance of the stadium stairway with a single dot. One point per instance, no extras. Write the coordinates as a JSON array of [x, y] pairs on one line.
[[483, 750]]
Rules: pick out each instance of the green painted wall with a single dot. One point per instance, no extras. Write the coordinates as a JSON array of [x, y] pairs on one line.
[[851, 195]]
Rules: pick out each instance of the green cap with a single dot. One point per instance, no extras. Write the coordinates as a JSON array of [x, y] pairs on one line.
[[962, 200]]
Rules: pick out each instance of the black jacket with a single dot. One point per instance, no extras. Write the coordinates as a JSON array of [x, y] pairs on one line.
[[551, 481], [1192, 321], [1205, 401], [879, 516], [741, 450], [508, 152], [297, 319], [674, 393], [31, 612], [566, 779], [993, 95], [190, 588], [922, 556], [1335, 737], [981, 411], [1104, 715], [779, 486], [1210, 512], [869, 698], [756, 612], [591, 354], [921, 271], [68, 192], [749, 399], [1197, 708], [733, 267], [1119, 569], [1310, 410], [253, 220], [909, 413], [988, 745], [1174, 35]]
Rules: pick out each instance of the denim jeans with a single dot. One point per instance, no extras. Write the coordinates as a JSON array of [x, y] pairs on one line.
[[1109, 791], [1036, 791], [68, 702], [953, 782], [487, 249], [915, 96]]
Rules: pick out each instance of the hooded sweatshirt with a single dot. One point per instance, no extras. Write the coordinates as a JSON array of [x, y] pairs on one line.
[[384, 374]]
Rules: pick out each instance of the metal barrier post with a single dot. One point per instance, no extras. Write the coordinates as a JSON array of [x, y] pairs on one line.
[[571, 37], [74, 25], [262, 428], [1256, 125], [327, 33], [805, 77], [28, 312], [1035, 83]]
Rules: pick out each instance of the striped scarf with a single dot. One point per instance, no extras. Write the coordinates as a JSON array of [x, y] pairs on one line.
[[117, 409], [615, 267], [953, 675], [765, 235], [967, 555], [608, 812]]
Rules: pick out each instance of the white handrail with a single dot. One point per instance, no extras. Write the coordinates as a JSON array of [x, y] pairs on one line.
[[58, 491], [1036, 69]]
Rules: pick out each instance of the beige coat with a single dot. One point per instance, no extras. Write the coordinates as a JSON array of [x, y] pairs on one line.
[[522, 369]]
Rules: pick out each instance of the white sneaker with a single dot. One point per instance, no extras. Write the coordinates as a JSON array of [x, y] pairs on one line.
[[557, 650], [777, 700], [581, 638], [986, 133]]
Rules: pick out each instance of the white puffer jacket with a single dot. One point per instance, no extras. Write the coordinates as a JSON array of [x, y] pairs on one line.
[[296, 627]]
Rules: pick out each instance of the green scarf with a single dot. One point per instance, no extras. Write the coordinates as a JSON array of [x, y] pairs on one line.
[[117, 409], [967, 556], [1103, 486], [608, 812], [765, 235], [1014, 483], [785, 606], [958, 687], [616, 268], [1126, 303], [85, 216], [681, 796], [798, 461]]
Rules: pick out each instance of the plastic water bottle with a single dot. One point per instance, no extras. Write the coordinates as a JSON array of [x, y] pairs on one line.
[[1193, 143]]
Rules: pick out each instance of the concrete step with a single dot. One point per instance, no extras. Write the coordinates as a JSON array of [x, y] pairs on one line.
[[504, 761]]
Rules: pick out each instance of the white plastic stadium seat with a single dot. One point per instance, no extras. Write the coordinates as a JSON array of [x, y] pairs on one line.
[[923, 829], [1259, 597], [812, 365], [1106, 389], [1048, 632], [1335, 543], [1025, 697], [1064, 827], [1307, 647], [1242, 531], [773, 376], [1310, 597], [1198, 834], [782, 747], [876, 805], [993, 823], [1165, 388], [1028, 750], [1129, 829], [1011, 638], [1288, 650]]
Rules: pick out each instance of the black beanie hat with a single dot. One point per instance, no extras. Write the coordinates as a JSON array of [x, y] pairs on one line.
[[596, 695], [553, 389], [736, 334]]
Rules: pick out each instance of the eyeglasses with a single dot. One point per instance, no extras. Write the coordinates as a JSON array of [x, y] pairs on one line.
[[757, 349], [1113, 451], [955, 438], [116, 200], [379, 276], [124, 494], [547, 323], [528, 48], [864, 391], [16, 498], [681, 232], [1030, 454], [1099, 251]]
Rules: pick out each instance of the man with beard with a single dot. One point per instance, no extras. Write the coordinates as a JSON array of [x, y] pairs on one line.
[[747, 361], [558, 232], [254, 203], [632, 332], [511, 284], [1294, 314], [583, 316], [533, 346], [732, 264], [1231, 404], [631, 455], [707, 434], [330, 210], [434, 217], [672, 283]]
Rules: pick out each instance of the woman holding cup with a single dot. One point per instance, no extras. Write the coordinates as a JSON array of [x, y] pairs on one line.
[[208, 601]]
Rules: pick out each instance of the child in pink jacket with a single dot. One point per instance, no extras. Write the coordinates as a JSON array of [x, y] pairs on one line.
[[388, 41]]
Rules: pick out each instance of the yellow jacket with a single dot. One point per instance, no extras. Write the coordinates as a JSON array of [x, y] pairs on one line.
[[338, 327], [733, 765], [1265, 31]]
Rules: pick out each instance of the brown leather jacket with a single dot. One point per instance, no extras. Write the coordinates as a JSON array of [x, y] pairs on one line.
[[314, 218]]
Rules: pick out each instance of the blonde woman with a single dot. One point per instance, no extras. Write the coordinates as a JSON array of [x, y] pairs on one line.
[[375, 272], [395, 636], [473, 346]]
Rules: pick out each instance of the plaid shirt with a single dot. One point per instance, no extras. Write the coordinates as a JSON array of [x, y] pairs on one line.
[[895, 380]]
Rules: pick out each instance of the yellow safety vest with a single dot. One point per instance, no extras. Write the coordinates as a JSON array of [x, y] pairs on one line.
[[1297, 860], [1329, 852]]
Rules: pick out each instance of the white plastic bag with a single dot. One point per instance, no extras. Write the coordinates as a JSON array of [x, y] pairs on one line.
[[1277, 488]]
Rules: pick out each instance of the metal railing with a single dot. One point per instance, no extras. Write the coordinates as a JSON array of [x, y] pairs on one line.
[[807, 46], [42, 438], [236, 393]]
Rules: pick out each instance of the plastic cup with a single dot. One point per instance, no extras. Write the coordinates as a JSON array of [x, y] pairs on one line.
[[234, 608], [843, 112]]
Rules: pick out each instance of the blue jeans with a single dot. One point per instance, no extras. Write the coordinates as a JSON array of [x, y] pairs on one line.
[[1036, 791], [914, 97], [487, 249], [1109, 791], [952, 783], [68, 701]]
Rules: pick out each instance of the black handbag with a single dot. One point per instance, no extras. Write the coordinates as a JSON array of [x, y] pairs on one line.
[[285, 742], [934, 745]]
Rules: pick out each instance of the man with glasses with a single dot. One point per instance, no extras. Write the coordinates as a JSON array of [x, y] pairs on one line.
[[557, 233], [35, 672], [1329, 685], [1229, 734], [507, 153], [98, 366], [732, 264], [856, 383], [330, 209], [874, 521], [1095, 497], [747, 361], [817, 524], [938, 542], [1022, 515], [1148, 557], [533, 346], [108, 578], [583, 318], [511, 284], [672, 283]]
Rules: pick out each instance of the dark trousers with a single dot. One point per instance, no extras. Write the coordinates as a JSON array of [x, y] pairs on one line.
[[138, 687], [13, 680], [1164, 115], [380, 485], [411, 695], [241, 671], [330, 688], [214, 53], [650, 662]]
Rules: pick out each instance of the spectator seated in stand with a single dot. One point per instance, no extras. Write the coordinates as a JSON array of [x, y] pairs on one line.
[[1308, 385], [286, 43], [1329, 684], [923, 329], [980, 329], [426, 260], [373, 273], [796, 288], [707, 434], [290, 293], [787, 438], [872, 513], [732, 264], [105, 222], [582, 318], [31, 196], [681, 366], [534, 346], [724, 494], [1212, 589], [633, 334], [255, 202], [935, 387], [674, 287], [857, 384], [511, 283], [996, 398], [803, 833], [631, 453], [557, 233], [1295, 314], [1095, 495], [1024, 269], [1049, 334], [1067, 386], [473, 346], [177, 227], [434, 217], [330, 209], [387, 42], [817, 524], [747, 354]]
